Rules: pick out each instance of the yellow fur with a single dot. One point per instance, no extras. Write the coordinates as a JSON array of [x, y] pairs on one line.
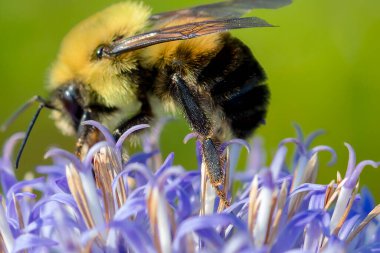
[[74, 59], [76, 62]]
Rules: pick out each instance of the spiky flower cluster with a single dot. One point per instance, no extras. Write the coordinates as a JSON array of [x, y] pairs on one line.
[[113, 202]]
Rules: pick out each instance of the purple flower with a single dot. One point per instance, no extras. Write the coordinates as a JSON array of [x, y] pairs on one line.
[[113, 201]]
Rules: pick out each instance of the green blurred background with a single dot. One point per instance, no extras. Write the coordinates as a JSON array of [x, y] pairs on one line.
[[322, 63]]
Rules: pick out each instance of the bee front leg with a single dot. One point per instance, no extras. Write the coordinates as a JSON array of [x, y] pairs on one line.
[[87, 135], [200, 123], [145, 116]]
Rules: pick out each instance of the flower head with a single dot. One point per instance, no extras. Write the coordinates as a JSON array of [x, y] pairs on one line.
[[112, 201]]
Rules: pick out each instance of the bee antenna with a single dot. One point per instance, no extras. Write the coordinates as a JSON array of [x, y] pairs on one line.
[[30, 127], [25, 106], [42, 103]]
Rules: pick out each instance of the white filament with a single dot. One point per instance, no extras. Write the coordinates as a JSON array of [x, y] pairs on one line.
[[263, 215], [5, 231], [163, 223], [92, 197], [340, 207]]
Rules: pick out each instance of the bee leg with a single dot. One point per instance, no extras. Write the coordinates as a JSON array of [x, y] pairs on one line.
[[87, 136], [145, 116], [201, 124]]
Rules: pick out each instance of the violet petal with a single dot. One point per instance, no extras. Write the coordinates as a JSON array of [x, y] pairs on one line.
[[240, 142], [137, 239], [9, 148], [312, 137], [125, 135], [307, 187], [87, 162], [67, 155], [21, 184], [142, 157], [167, 164], [351, 160], [256, 157], [324, 148], [299, 144], [28, 241], [131, 207], [294, 229], [189, 137], [278, 161], [351, 182], [194, 224], [106, 133], [138, 167]]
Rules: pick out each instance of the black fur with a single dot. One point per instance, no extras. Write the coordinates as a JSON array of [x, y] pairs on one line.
[[236, 83], [191, 106]]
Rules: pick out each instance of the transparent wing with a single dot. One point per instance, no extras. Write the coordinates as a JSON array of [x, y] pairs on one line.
[[227, 9], [181, 32]]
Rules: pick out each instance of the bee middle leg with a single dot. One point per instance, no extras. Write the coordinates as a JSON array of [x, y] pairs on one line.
[[201, 124], [145, 116]]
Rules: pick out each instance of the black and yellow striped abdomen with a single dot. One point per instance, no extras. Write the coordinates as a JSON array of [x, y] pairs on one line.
[[236, 83]]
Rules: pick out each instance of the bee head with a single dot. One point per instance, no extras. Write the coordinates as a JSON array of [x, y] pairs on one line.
[[80, 77]]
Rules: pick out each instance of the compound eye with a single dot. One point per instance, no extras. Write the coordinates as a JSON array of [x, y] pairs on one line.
[[99, 52], [70, 98]]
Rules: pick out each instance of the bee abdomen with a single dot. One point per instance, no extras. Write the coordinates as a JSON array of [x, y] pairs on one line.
[[236, 82]]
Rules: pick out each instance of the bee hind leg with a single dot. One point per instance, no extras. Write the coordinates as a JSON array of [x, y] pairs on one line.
[[200, 123]]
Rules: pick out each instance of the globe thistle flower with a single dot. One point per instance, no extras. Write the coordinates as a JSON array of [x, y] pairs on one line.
[[113, 201]]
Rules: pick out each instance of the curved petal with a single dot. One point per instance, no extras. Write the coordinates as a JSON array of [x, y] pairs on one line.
[[256, 158], [299, 132], [234, 207], [142, 157], [151, 140], [172, 171], [198, 152], [22, 195], [185, 207], [21, 184], [351, 182], [195, 224], [87, 162], [10, 145], [182, 179], [28, 241], [138, 167], [131, 207], [167, 164], [324, 148], [241, 243], [348, 226], [189, 137], [235, 141], [307, 187], [294, 229], [67, 155], [66, 199], [312, 137], [135, 236], [125, 135], [106, 133], [351, 160], [301, 147], [278, 162]]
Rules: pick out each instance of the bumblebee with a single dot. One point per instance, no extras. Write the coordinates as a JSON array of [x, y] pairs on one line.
[[124, 66]]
